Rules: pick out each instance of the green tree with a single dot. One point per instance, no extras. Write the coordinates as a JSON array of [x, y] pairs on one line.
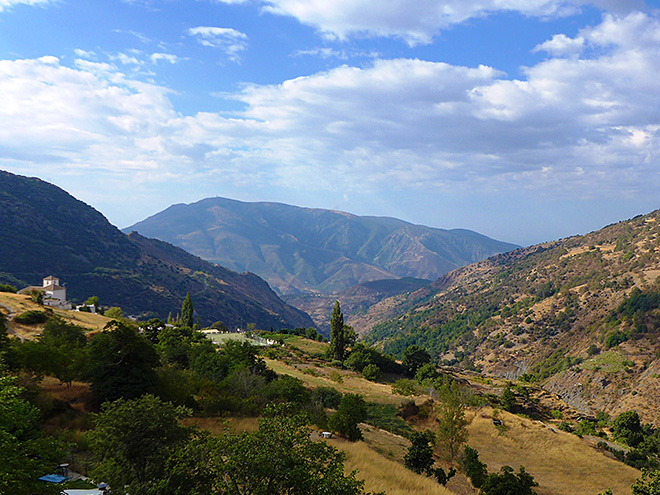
[[371, 372], [25, 455], [414, 357], [93, 301], [133, 440], [187, 312], [508, 398], [647, 484], [452, 425], [113, 312], [352, 411], [473, 467], [120, 363], [280, 458], [628, 427], [37, 296], [419, 457], [337, 335], [507, 482]]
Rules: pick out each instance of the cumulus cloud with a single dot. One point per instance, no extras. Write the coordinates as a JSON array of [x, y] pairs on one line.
[[583, 124], [561, 45], [231, 41], [345, 18]]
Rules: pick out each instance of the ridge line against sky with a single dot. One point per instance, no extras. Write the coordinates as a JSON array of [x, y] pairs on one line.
[[523, 120]]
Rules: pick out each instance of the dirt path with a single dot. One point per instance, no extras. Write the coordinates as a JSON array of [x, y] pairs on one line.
[[10, 316]]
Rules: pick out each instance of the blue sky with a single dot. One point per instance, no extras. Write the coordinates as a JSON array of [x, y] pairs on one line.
[[526, 120]]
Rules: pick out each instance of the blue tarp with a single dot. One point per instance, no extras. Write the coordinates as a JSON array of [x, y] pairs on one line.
[[53, 478]]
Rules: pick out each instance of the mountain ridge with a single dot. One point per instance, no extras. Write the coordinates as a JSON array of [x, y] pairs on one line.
[[311, 250], [48, 231]]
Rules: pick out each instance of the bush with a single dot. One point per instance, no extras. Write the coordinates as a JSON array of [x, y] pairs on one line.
[[371, 372], [419, 457], [473, 467], [7, 288], [506, 481], [565, 426], [352, 410], [404, 386], [113, 312], [327, 397], [32, 317], [615, 339]]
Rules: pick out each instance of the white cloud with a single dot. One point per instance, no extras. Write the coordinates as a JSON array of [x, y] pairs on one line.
[[561, 45], [229, 40], [84, 53], [419, 23], [7, 4], [587, 124], [167, 57]]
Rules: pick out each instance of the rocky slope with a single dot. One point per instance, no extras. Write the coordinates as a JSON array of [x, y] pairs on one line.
[[581, 315]]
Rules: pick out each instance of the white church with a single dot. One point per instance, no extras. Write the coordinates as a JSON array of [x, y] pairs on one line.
[[54, 293]]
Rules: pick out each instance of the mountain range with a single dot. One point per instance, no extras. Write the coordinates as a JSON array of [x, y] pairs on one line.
[[305, 250], [46, 231]]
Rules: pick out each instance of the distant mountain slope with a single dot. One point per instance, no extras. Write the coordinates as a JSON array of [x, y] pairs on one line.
[[581, 314], [47, 231], [314, 250], [355, 301]]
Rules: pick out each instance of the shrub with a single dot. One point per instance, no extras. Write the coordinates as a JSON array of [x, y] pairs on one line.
[[371, 372], [616, 338], [419, 457], [327, 397], [32, 317], [474, 469], [404, 386], [565, 426], [7, 288], [506, 481]]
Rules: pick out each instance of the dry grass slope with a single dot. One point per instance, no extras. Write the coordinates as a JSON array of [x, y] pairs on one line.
[[560, 462], [20, 303], [382, 474]]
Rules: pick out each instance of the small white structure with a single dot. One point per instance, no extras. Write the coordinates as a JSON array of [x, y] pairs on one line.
[[54, 293]]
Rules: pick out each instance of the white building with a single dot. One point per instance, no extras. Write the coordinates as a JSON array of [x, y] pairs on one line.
[[54, 293]]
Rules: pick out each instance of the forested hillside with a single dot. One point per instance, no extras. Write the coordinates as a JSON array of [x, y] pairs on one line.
[[45, 231]]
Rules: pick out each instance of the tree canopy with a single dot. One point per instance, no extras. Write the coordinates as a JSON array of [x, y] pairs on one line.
[[337, 333]]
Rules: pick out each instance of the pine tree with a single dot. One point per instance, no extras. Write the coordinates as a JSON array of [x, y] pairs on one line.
[[337, 335], [187, 312]]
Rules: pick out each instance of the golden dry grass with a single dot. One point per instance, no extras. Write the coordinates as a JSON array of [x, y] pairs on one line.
[[218, 426], [382, 474], [352, 383], [21, 303], [311, 347], [78, 394], [560, 462]]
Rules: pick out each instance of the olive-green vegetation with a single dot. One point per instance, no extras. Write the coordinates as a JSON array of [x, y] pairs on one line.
[[59, 235], [451, 422]]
